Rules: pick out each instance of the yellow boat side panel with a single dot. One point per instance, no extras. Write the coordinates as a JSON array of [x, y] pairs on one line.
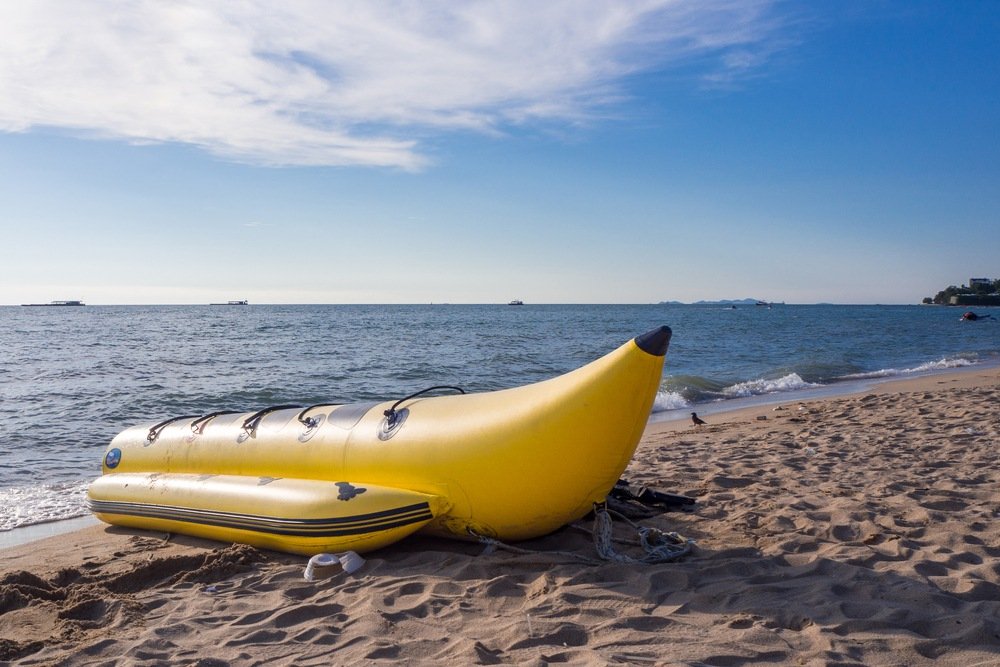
[[293, 515]]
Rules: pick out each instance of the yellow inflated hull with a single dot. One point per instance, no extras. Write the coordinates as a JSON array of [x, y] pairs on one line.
[[293, 515], [512, 464]]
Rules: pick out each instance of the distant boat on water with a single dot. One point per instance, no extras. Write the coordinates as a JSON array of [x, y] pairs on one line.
[[56, 303], [515, 302], [241, 302]]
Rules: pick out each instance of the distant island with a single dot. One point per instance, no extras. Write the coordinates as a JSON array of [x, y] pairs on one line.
[[979, 292], [723, 302], [56, 303]]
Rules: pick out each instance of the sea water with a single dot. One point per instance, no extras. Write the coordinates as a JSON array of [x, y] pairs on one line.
[[72, 378]]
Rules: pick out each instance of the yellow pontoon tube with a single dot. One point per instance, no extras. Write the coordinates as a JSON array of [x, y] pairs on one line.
[[510, 464]]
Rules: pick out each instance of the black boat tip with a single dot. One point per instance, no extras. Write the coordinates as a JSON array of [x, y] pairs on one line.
[[655, 342]]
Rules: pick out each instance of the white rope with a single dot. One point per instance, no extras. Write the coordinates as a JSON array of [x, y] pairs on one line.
[[658, 546], [492, 544]]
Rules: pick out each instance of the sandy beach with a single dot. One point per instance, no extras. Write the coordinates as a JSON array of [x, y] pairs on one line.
[[857, 530]]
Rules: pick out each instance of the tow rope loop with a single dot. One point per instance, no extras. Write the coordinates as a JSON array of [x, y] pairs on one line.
[[658, 546], [491, 544]]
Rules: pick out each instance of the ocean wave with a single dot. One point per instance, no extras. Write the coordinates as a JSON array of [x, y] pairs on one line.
[[682, 391], [930, 366], [30, 505], [790, 382], [693, 388], [669, 400]]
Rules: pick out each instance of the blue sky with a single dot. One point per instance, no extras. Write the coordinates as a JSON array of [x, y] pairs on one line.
[[560, 152]]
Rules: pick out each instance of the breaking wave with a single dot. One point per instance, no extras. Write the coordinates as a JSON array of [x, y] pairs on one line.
[[790, 382], [930, 366]]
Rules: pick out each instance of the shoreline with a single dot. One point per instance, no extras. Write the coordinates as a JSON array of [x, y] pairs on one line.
[[977, 375], [833, 390], [40, 531], [850, 530], [668, 420]]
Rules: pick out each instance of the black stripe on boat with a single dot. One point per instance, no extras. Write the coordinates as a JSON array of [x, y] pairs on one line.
[[359, 524]]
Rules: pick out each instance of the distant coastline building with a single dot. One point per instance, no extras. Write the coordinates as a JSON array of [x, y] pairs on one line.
[[979, 299], [979, 292]]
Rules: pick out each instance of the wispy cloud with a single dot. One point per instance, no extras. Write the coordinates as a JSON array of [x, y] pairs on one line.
[[308, 82]]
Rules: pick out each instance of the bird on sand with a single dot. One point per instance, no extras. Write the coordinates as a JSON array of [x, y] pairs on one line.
[[696, 420]]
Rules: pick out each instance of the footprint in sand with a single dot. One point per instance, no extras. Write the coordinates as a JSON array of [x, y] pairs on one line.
[[731, 482]]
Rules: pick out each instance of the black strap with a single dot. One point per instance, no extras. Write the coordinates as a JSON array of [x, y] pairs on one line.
[[251, 423], [390, 414], [649, 497], [154, 431], [198, 425]]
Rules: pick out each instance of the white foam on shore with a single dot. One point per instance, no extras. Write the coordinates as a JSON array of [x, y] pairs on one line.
[[946, 364], [669, 400], [31, 505], [790, 382]]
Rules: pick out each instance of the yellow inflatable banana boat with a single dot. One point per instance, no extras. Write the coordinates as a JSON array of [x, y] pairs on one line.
[[510, 464]]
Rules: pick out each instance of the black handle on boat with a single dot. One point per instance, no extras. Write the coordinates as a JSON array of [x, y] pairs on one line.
[[311, 422], [390, 414], [154, 431], [198, 425], [251, 423]]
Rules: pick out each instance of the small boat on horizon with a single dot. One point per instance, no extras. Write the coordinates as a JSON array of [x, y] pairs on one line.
[[240, 302], [56, 303], [515, 302]]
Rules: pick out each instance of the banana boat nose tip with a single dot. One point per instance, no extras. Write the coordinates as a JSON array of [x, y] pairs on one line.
[[655, 342]]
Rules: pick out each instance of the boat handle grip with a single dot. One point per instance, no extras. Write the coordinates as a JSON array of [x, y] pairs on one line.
[[198, 425], [251, 423], [311, 422], [390, 414], [154, 431]]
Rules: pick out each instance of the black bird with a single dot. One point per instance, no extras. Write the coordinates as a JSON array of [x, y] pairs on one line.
[[696, 420]]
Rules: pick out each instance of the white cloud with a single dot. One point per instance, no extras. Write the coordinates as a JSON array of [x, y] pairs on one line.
[[345, 83]]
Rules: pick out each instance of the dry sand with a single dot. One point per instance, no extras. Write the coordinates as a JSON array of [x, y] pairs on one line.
[[859, 530]]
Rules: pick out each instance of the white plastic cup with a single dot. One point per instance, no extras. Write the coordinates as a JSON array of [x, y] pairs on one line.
[[321, 566], [351, 561]]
